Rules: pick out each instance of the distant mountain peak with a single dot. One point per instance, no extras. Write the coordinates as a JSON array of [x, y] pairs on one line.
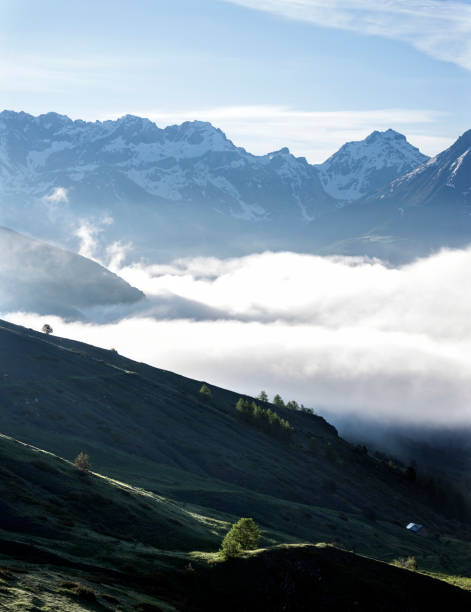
[[134, 120], [464, 141], [53, 116], [283, 152], [194, 124], [388, 134], [450, 170], [365, 166]]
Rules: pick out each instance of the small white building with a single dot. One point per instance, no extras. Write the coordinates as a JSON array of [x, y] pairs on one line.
[[416, 528]]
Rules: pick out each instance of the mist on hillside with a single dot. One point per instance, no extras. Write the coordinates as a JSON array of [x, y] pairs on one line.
[[44, 278], [351, 337]]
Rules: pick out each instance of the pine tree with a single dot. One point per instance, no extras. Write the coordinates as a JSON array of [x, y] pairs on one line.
[[205, 390], [244, 409], [243, 535], [277, 400], [262, 396]]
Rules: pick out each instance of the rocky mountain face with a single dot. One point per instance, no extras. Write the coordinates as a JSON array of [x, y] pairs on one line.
[[414, 215], [182, 189], [188, 190], [133, 159], [445, 178], [362, 168]]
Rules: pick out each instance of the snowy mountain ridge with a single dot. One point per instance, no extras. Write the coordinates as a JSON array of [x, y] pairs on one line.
[[36, 151], [181, 189], [362, 167], [193, 161], [445, 176]]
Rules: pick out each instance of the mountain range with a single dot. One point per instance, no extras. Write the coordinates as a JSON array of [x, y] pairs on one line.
[[187, 189]]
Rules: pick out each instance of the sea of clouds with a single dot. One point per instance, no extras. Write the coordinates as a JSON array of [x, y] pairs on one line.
[[348, 336]]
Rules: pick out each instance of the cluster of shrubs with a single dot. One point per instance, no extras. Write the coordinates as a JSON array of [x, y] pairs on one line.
[[264, 418], [291, 405], [409, 563], [79, 590]]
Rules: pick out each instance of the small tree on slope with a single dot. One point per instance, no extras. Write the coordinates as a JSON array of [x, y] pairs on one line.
[[206, 391], [262, 396], [243, 535], [278, 401], [82, 462]]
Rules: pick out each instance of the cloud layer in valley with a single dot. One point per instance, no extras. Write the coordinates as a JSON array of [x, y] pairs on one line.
[[346, 335]]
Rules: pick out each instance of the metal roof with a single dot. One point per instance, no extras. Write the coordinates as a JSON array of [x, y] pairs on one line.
[[414, 527]]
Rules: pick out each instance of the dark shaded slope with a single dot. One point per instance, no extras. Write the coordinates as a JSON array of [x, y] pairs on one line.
[[295, 579], [38, 277], [81, 541], [80, 529], [46, 499], [64, 396], [192, 467], [154, 429]]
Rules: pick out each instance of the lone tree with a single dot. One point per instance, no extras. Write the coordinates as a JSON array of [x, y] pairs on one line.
[[277, 400], [82, 462], [47, 329], [205, 390], [262, 396], [243, 535]]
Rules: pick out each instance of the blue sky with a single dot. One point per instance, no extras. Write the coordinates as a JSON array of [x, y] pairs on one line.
[[308, 74]]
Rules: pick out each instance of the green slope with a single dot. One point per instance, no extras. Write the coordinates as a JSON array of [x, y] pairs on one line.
[[191, 468], [73, 541]]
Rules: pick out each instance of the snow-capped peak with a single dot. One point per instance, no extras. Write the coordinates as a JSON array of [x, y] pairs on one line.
[[362, 167], [449, 169], [389, 134], [197, 137]]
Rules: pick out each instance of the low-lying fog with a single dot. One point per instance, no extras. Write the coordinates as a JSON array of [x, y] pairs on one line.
[[345, 335]]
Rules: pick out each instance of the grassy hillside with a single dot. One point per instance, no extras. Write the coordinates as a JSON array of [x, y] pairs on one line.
[[73, 541], [173, 469]]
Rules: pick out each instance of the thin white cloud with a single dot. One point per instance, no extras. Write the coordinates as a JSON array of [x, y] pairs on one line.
[[347, 335], [312, 134], [441, 29], [45, 73], [87, 233], [115, 255], [59, 194]]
